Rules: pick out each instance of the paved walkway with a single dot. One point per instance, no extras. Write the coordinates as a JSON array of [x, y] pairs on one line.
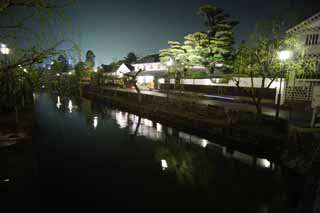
[[301, 118]]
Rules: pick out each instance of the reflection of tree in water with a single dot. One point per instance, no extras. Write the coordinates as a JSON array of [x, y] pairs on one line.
[[86, 109], [190, 164]]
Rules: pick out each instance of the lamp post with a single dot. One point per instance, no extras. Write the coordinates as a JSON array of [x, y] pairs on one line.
[[4, 50], [283, 56], [58, 78]]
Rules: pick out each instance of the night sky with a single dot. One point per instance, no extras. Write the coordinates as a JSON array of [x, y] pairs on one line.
[[114, 28]]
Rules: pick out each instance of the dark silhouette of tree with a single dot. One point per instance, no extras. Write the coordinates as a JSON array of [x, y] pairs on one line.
[[80, 69], [42, 14], [131, 58], [63, 63], [90, 59]]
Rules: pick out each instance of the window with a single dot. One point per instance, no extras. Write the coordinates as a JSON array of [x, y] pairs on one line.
[[312, 39]]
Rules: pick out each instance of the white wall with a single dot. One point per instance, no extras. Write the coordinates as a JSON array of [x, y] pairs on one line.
[[150, 67], [159, 67], [244, 82], [145, 79]]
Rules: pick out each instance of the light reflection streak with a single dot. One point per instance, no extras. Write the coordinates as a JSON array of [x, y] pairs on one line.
[[95, 122], [70, 106], [58, 102], [156, 132]]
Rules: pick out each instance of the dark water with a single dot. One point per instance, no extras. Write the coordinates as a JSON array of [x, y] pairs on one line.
[[93, 157]]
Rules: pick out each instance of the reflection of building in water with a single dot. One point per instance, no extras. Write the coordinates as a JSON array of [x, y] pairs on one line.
[[193, 139], [155, 131], [145, 127], [248, 159], [59, 102]]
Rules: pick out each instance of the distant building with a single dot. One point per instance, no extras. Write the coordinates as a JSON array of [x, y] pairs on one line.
[[152, 69]]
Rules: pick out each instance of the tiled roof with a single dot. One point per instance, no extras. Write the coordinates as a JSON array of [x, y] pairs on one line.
[[302, 25], [154, 58]]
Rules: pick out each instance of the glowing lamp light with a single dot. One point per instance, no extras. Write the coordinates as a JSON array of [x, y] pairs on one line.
[[25, 70], [70, 73], [58, 74], [164, 164], [4, 49], [284, 55]]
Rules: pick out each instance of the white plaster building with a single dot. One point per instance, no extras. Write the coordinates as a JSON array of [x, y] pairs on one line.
[[309, 32], [152, 70]]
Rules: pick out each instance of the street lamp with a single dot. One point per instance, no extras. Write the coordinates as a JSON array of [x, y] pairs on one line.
[[283, 56], [4, 49]]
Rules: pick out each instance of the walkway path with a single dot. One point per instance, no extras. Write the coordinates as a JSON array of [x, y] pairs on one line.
[[226, 103]]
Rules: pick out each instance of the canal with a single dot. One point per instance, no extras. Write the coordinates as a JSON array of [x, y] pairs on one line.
[[89, 156]]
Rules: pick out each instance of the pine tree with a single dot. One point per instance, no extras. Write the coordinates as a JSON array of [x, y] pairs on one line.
[[90, 59], [217, 46]]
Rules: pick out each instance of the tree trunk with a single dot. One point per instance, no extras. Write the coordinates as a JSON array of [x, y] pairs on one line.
[[212, 68], [258, 106], [139, 92]]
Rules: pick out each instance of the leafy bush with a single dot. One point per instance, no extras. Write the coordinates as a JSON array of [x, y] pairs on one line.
[[196, 74]]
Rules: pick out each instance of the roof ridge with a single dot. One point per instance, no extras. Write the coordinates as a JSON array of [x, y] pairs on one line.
[[305, 22]]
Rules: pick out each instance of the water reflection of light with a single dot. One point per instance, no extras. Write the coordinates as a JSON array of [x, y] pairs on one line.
[[58, 102], [263, 163], [143, 128], [95, 122], [147, 122], [164, 164], [204, 143], [184, 136], [193, 139], [122, 119], [159, 127], [245, 158], [70, 106]]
